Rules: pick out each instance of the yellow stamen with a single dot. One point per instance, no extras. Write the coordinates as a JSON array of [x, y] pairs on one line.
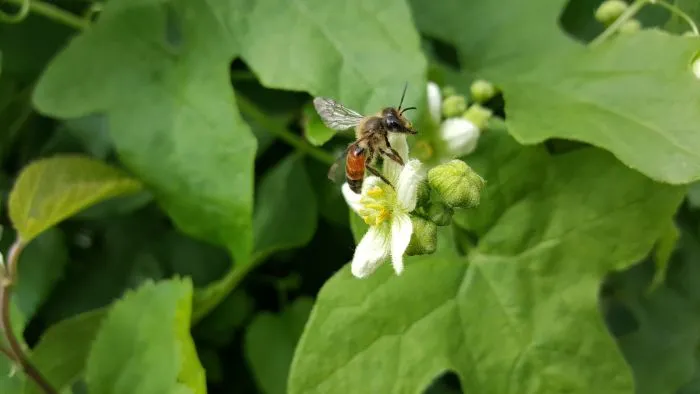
[[375, 192]]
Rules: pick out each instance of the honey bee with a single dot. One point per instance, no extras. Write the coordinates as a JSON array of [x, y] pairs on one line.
[[371, 137]]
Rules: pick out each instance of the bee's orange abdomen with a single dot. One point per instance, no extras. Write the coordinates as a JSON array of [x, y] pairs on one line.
[[355, 168]]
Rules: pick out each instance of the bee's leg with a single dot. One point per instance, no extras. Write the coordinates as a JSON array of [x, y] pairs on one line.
[[375, 172], [393, 155]]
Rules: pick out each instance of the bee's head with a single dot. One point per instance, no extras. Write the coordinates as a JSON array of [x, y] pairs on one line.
[[395, 121]]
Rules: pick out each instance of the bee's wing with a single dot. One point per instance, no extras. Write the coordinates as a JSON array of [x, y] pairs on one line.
[[337, 171], [336, 116]]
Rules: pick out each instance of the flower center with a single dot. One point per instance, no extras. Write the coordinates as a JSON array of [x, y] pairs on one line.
[[376, 205]]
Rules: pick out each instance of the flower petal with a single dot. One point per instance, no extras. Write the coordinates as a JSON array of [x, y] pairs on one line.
[[351, 198], [401, 230], [407, 186], [372, 250], [434, 102], [392, 169], [460, 135]]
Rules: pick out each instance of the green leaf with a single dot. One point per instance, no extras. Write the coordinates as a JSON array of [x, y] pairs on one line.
[[50, 190], [360, 53], [661, 343], [163, 82], [62, 352], [637, 103], [269, 344], [147, 330], [314, 130], [220, 326], [677, 24], [286, 214], [40, 267], [519, 312], [633, 95], [664, 250]]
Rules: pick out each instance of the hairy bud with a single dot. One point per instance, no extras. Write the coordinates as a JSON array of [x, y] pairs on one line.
[[440, 214], [423, 238], [457, 184], [482, 91], [454, 106], [630, 26]]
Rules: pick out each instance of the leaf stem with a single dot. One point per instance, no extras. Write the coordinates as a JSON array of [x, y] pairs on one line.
[[54, 13], [281, 131], [15, 351], [630, 12], [679, 12]]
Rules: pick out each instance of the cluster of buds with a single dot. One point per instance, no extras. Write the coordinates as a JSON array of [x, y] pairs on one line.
[[460, 123], [609, 12]]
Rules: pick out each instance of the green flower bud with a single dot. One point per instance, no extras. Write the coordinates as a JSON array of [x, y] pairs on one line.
[[423, 196], [482, 91], [457, 184], [453, 106], [424, 237], [478, 115], [440, 214], [449, 91], [696, 67], [689, 33], [609, 11], [630, 26]]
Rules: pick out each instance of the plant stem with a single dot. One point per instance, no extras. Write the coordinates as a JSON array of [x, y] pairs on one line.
[[630, 12], [281, 131], [54, 13], [16, 352], [680, 13]]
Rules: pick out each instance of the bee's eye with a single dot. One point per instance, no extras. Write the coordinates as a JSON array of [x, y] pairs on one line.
[[392, 123]]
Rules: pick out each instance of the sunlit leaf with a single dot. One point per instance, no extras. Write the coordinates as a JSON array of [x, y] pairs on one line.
[[163, 83], [147, 330], [520, 312], [358, 52], [50, 190], [633, 95]]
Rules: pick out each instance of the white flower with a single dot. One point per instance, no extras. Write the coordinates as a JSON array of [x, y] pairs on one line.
[[434, 102], [696, 68], [386, 210], [460, 135]]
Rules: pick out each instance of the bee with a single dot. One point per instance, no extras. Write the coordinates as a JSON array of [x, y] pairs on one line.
[[371, 137]]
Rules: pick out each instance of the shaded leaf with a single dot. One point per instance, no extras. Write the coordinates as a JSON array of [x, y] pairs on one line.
[[62, 352], [286, 214], [269, 344], [163, 83], [50, 190], [147, 330], [219, 327], [521, 315]]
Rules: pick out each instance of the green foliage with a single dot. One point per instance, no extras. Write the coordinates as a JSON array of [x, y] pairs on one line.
[[480, 315], [50, 190], [270, 341], [166, 173], [158, 342]]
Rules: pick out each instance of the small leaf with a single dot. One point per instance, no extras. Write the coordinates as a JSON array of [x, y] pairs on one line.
[[286, 214], [147, 331], [314, 130], [664, 250], [51, 190], [62, 352], [270, 341]]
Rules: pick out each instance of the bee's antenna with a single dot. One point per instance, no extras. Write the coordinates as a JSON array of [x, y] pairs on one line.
[[405, 86], [407, 109]]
